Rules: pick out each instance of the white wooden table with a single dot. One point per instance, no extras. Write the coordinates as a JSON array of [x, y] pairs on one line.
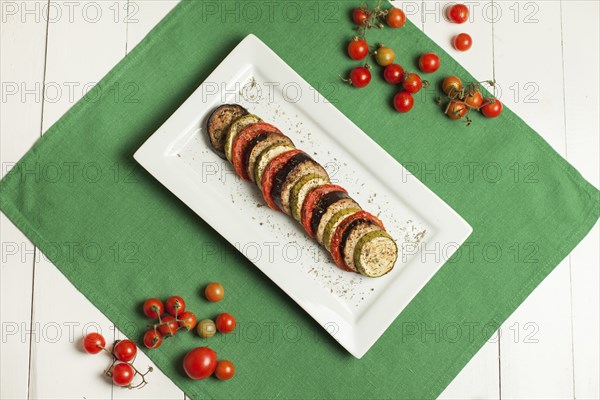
[[538, 51]]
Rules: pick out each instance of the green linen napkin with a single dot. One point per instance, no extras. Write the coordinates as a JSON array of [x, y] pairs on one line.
[[121, 237]]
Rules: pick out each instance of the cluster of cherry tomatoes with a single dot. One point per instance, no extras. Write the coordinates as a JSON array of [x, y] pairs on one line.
[[358, 48], [172, 316], [410, 82], [121, 370], [459, 14], [200, 363], [177, 318], [464, 99]]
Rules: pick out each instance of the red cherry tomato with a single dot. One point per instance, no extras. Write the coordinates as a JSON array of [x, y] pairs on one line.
[[462, 42], [456, 110], [429, 62], [153, 308], [412, 83], [403, 102], [187, 320], [175, 306], [491, 108], [152, 339], [225, 370], [360, 77], [200, 363], [458, 13], [393, 74], [395, 18], [358, 49], [169, 326], [452, 85], [225, 323], [360, 15], [125, 350], [214, 292], [122, 374], [473, 99], [93, 343]]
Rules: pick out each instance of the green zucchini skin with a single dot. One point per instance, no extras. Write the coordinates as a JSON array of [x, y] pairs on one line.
[[265, 156], [333, 223], [301, 188], [324, 203], [348, 230], [360, 252], [283, 173], [254, 153], [233, 130]]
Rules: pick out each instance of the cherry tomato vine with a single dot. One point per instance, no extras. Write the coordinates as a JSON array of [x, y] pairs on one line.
[[462, 100], [121, 370]]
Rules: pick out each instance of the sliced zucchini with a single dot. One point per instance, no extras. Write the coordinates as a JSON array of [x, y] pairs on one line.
[[328, 216], [301, 188], [353, 235], [375, 254], [219, 122], [281, 176], [234, 129], [263, 159], [334, 222], [305, 168], [256, 150], [323, 205]]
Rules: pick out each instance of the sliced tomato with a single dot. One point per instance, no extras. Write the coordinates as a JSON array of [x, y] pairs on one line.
[[241, 141], [336, 239], [311, 201], [272, 168]]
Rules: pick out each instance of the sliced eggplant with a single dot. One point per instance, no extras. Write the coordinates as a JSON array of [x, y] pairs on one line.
[[235, 128], [265, 156], [219, 122], [305, 168], [254, 151], [352, 236], [301, 188], [252, 144], [375, 254], [323, 205], [363, 223], [282, 175], [344, 210], [343, 203]]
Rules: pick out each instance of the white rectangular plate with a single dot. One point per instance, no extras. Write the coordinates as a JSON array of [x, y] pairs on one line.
[[355, 310]]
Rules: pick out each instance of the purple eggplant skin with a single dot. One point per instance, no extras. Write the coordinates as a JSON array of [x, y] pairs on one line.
[[346, 233], [283, 173], [324, 203], [219, 122]]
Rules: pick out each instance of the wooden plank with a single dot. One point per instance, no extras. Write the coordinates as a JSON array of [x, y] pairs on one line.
[[21, 110], [535, 345], [479, 379], [85, 40], [581, 66]]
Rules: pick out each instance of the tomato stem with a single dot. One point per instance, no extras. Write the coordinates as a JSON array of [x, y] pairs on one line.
[[144, 382]]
